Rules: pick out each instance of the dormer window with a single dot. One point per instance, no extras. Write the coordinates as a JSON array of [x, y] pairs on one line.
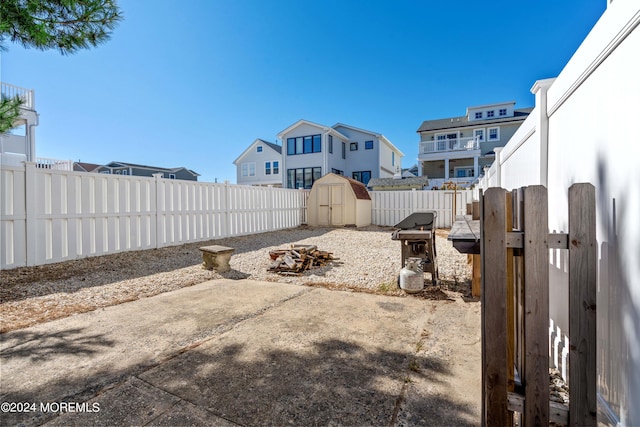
[[503, 112], [490, 113], [479, 115]]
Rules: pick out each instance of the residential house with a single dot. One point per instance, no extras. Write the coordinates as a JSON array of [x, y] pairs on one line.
[[122, 168], [18, 145], [456, 149], [84, 166], [313, 150], [260, 164]]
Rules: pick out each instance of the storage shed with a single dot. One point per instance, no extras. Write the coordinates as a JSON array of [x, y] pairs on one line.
[[337, 201]]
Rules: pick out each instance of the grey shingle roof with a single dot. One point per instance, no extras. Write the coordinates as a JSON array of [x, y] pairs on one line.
[[462, 121], [394, 182], [276, 147]]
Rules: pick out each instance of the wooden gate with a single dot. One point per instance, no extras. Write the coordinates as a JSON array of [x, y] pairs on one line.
[[515, 244]]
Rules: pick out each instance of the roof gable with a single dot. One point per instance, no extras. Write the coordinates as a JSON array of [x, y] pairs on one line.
[[275, 147], [380, 136], [300, 123]]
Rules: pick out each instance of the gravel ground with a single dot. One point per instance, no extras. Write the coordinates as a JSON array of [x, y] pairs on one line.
[[369, 261]]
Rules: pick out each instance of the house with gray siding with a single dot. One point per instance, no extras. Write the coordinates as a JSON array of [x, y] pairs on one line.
[[457, 149], [122, 168], [260, 164]]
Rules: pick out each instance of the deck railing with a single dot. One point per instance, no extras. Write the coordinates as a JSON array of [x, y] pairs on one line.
[[457, 144], [11, 91]]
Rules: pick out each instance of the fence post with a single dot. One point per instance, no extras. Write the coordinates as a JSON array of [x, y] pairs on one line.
[[497, 162], [494, 308], [227, 210], [159, 215], [31, 211], [582, 305], [536, 306]]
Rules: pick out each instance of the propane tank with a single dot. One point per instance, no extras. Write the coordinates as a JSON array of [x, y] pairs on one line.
[[411, 276]]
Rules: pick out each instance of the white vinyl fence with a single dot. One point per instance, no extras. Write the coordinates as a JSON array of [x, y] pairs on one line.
[[582, 130], [50, 215], [391, 207]]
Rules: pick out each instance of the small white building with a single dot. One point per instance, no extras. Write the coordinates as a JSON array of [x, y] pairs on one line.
[[338, 201]]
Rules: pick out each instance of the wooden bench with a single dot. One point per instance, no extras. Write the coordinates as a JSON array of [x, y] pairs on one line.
[[216, 258]]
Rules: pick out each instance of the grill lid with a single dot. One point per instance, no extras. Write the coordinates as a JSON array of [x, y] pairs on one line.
[[417, 220]]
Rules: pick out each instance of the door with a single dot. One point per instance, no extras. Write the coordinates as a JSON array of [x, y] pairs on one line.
[[330, 204]]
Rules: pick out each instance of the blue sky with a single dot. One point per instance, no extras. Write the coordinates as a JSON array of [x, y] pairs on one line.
[[193, 82]]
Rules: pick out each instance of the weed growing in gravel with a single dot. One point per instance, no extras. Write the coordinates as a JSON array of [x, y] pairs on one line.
[[385, 287], [414, 366]]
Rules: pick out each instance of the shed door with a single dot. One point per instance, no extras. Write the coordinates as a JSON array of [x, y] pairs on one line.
[[330, 204]]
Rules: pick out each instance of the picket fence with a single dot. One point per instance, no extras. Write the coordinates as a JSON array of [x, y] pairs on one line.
[[49, 215]]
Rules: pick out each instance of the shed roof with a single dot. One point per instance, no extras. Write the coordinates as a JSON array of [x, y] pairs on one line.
[[359, 189]]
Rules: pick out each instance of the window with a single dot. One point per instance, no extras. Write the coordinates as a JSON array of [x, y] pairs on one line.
[[502, 112], [490, 113], [337, 171], [344, 150], [368, 145], [303, 177], [479, 134], [304, 145], [118, 172], [393, 158], [259, 148], [353, 146], [494, 134], [308, 144], [267, 168], [479, 115], [276, 168], [330, 143], [248, 169], [362, 176], [446, 141], [463, 172], [172, 176], [124, 172]]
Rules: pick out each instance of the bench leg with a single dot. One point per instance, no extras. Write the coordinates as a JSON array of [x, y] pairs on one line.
[[217, 262]]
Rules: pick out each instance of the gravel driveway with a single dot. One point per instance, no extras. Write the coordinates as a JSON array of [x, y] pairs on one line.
[[369, 261]]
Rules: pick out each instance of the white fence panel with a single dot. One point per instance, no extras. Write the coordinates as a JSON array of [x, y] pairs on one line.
[[391, 207], [50, 215], [77, 214], [582, 135], [13, 219]]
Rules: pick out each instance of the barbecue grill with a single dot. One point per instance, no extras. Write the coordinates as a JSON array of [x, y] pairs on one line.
[[417, 238]]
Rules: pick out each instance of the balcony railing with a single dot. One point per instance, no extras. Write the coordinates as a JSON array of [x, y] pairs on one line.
[[27, 95], [457, 144], [18, 160]]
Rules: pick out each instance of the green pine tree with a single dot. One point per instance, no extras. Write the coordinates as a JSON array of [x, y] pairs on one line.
[[63, 25]]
